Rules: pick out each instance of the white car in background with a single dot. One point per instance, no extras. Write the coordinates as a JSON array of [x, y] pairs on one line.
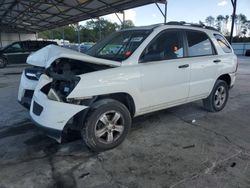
[[131, 73]]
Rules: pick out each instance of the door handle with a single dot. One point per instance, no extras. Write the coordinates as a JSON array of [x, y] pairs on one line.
[[183, 66], [217, 61]]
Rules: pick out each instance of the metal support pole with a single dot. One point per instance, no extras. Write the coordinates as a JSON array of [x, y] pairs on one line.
[[164, 14], [63, 36], [166, 9], [99, 27], [234, 3], [119, 18], [160, 9], [78, 37], [1, 45], [123, 19]]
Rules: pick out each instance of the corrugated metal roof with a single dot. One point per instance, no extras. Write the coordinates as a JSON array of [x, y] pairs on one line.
[[40, 15]]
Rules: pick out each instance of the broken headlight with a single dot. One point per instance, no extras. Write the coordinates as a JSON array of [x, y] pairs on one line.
[[34, 73]]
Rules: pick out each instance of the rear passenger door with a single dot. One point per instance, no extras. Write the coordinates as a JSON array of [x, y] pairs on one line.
[[202, 55]]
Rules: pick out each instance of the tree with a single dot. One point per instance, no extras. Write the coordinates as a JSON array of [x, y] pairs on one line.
[[239, 21], [245, 31], [219, 21], [101, 28], [210, 21], [69, 33], [92, 31], [128, 24]]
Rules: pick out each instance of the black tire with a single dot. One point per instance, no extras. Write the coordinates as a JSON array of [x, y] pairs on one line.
[[110, 109], [217, 99], [3, 63]]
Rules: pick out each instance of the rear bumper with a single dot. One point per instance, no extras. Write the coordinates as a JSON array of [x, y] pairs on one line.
[[52, 116]]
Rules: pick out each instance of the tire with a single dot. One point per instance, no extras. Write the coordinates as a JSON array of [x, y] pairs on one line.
[[106, 126], [3, 63], [217, 99]]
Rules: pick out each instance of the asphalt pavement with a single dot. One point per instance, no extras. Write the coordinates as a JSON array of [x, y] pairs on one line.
[[184, 146]]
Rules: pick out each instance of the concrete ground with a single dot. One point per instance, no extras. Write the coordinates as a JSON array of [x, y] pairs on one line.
[[179, 147]]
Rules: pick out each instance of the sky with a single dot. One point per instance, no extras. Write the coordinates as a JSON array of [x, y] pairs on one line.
[[183, 10]]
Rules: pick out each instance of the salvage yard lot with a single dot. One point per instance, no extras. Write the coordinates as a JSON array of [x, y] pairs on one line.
[[183, 146]]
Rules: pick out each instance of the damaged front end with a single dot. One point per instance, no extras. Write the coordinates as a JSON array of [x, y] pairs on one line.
[[66, 75], [50, 108]]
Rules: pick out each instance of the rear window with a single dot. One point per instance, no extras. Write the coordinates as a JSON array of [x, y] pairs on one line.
[[223, 43], [199, 44]]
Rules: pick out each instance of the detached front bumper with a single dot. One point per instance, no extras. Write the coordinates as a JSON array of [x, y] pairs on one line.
[[50, 115]]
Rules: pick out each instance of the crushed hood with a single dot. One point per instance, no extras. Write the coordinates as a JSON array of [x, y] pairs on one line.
[[47, 55]]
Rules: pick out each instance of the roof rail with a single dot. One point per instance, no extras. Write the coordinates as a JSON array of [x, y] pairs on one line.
[[200, 25]]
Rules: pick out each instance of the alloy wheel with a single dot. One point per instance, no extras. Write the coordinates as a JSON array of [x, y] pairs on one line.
[[109, 127], [220, 97]]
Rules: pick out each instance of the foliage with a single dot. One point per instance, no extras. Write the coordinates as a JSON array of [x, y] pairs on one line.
[[239, 39], [92, 31], [222, 24]]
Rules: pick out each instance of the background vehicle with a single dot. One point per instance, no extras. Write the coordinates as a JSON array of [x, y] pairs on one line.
[[151, 68], [85, 47], [17, 52]]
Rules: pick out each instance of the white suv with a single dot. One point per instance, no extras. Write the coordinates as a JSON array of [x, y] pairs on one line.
[[132, 72]]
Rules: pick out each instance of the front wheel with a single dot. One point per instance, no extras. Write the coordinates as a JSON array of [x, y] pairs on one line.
[[107, 125], [217, 99], [3, 62]]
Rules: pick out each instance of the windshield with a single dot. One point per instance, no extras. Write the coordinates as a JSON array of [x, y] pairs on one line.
[[120, 45]]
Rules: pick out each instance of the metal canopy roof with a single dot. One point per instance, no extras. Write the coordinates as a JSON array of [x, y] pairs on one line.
[[40, 15]]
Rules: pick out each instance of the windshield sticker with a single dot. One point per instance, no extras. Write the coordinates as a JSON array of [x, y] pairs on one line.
[[136, 39]]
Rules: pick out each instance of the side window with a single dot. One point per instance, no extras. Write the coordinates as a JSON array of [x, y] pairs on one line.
[[223, 43], [198, 44], [16, 47], [43, 44], [166, 46], [33, 45]]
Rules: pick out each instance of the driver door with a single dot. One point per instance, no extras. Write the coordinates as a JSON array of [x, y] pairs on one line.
[[164, 72]]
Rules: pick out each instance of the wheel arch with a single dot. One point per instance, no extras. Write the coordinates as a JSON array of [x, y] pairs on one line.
[[123, 98], [5, 61], [4, 57], [226, 78]]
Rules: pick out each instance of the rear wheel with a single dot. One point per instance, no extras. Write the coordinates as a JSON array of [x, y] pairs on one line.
[[217, 100], [107, 125], [3, 62]]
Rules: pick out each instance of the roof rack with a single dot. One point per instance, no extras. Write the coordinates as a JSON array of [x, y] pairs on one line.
[[200, 25]]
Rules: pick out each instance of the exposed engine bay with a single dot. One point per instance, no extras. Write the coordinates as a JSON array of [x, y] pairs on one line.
[[65, 74]]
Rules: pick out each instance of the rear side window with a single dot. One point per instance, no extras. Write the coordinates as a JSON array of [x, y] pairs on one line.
[[199, 44], [223, 43]]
